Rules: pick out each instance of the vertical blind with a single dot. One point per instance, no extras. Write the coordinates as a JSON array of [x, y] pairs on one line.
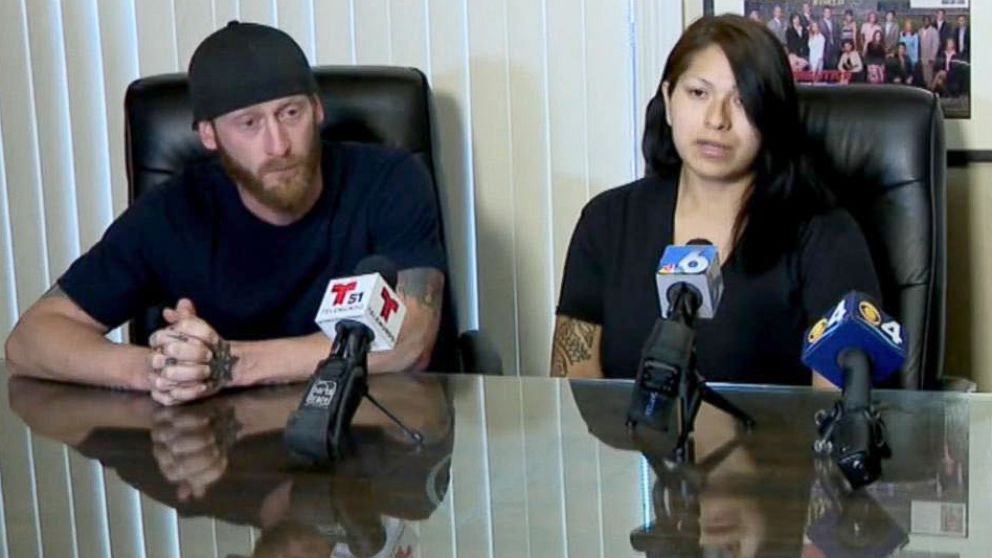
[[538, 107]]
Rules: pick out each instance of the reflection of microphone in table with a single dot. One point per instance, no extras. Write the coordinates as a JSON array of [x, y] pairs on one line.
[[854, 346], [359, 314], [720, 502], [850, 524], [341, 509]]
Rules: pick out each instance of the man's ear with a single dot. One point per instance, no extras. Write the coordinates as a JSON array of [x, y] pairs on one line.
[[318, 108], [667, 95], [208, 134]]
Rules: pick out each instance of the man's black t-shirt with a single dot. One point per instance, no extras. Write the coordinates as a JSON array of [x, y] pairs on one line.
[[757, 333], [193, 237]]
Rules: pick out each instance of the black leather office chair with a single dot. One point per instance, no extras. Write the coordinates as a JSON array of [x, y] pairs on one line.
[[885, 146], [382, 105]]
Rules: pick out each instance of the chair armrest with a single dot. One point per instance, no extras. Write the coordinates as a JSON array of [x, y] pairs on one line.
[[955, 383], [478, 355]]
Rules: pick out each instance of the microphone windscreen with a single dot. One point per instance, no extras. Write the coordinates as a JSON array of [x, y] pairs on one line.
[[369, 297], [695, 266], [856, 322]]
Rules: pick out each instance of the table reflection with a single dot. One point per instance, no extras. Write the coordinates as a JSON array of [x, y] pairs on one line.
[[510, 467], [224, 457], [763, 492]]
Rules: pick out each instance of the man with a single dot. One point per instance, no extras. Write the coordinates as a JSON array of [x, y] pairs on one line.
[[890, 32], [831, 33], [949, 75], [929, 47], [806, 16], [944, 29], [963, 38], [777, 25], [241, 247]]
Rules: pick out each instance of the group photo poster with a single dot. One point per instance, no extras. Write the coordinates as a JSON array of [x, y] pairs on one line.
[[916, 43]]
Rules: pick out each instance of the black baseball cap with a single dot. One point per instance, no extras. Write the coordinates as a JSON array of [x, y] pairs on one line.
[[244, 64]]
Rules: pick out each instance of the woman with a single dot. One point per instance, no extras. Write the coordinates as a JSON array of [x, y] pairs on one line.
[[875, 58], [817, 44], [947, 76], [911, 39], [724, 150], [849, 29], [900, 69], [797, 38], [868, 29], [850, 61]]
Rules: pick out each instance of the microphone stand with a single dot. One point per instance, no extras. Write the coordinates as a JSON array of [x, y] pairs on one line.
[[318, 429], [356, 355], [668, 373], [852, 431]]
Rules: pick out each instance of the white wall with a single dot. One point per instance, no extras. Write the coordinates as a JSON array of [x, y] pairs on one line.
[[539, 105]]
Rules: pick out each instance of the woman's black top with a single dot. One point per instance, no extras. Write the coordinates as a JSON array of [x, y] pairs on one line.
[[902, 69], [875, 54], [797, 42], [757, 333]]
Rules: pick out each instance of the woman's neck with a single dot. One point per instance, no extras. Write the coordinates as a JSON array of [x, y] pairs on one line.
[[709, 209], [721, 198]]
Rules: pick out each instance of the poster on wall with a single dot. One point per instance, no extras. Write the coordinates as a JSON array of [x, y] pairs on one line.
[[916, 43]]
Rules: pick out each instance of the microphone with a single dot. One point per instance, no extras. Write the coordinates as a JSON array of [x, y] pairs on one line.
[[668, 383], [854, 347], [368, 299], [692, 271], [855, 323], [359, 314]]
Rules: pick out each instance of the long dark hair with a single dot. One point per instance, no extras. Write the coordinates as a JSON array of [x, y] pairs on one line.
[[786, 191]]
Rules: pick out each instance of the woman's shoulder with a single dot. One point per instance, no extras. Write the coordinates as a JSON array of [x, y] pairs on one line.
[[833, 225], [649, 191]]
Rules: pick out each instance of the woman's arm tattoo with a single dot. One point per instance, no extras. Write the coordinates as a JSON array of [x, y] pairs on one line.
[[573, 343]]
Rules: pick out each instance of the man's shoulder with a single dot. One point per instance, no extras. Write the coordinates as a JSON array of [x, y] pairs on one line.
[[361, 156], [194, 178], [373, 170], [186, 193]]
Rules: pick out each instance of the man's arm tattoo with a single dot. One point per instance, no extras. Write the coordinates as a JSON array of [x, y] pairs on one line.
[[572, 344], [55, 292], [423, 284]]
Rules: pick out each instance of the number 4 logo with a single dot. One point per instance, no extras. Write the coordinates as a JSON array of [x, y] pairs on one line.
[[838, 315], [893, 331]]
